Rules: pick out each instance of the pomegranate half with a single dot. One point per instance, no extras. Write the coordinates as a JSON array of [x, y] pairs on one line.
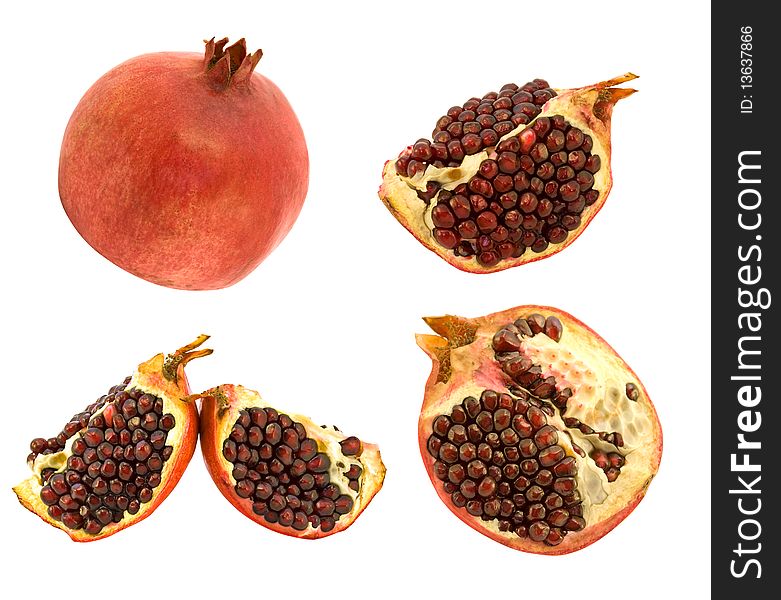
[[114, 462], [534, 432], [184, 169], [509, 178], [282, 470]]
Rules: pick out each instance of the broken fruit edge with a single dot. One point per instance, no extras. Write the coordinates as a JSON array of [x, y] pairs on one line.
[[605, 93], [428, 343]]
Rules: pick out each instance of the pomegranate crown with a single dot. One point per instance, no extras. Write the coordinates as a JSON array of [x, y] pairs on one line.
[[229, 66], [173, 362]]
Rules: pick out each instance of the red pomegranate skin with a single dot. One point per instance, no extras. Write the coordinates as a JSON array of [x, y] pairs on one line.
[[180, 181]]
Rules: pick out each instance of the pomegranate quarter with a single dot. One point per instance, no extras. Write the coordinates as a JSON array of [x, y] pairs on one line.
[[282, 470], [114, 462], [184, 169], [533, 430], [509, 178]]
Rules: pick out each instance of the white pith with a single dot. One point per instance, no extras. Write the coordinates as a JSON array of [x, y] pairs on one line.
[[327, 438], [598, 381]]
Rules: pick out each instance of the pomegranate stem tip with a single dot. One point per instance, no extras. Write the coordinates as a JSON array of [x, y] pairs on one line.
[[184, 355], [231, 65]]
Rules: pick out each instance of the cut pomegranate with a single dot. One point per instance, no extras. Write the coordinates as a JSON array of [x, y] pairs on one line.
[[282, 470], [509, 178], [533, 430], [114, 462]]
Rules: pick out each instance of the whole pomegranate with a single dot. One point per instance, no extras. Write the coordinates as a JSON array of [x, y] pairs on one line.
[[114, 462], [509, 178], [533, 430], [182, 169]]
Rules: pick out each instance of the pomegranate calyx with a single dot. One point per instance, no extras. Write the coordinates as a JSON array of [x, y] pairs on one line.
[[216, 395], [175, 362], [455, 332], [231, 65], [594, 104]]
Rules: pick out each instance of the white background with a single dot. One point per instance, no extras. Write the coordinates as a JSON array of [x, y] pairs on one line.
[[325, 325]]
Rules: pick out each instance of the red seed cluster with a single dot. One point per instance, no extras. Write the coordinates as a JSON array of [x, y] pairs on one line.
[[507, 344], [609, 462], [530, 195], [115, 464], [279, 469], [77, 422], [498, 458], [474, 126]]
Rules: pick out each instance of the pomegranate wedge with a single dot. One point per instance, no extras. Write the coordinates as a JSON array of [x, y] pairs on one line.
[[509, 178]]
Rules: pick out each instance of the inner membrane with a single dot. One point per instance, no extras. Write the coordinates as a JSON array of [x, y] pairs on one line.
[[507, 344]]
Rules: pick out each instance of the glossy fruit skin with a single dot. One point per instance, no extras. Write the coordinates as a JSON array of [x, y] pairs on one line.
[[162, 376], [179, 181], [220, 407], [461, 366]]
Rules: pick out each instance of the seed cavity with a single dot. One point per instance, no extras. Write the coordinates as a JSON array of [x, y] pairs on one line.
[[529, 376], [281, 471]]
